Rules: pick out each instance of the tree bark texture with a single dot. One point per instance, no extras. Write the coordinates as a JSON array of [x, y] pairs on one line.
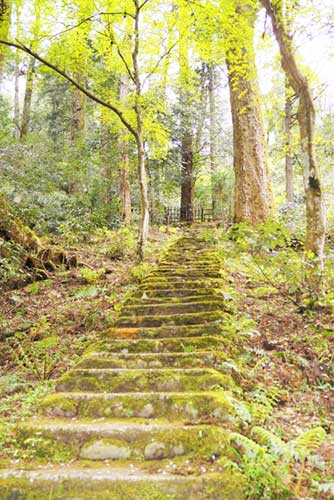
[[78, 115], [315, 211], [17, 98], [141, 168], [124, 185], [215, 194], [289, 166], [187, 146], [5, 11], [26, 112], [187, 183], [253, 198]]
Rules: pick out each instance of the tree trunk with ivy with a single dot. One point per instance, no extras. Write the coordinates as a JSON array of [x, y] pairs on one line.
[[315, 211], [253, 198]]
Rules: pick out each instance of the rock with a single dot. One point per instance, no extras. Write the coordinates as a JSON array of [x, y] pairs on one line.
[[191, 411], [102, 450], [155, 451], [155, 364], [58, 411], [108, 412], [141, 363], [178, 450], [218, 413], [147, 411]]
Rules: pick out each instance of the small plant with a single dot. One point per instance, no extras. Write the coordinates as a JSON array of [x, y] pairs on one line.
[[92, 276], [267, 461], [34, 288], [139, 272], [39, 352], [118, 243]]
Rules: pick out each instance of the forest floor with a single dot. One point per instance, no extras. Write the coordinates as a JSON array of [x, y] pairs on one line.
[[285, 368]]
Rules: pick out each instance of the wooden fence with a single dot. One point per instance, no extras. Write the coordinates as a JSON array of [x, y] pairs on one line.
[[175, 215]]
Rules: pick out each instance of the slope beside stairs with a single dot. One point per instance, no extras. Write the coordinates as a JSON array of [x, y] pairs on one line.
[[146, 413]]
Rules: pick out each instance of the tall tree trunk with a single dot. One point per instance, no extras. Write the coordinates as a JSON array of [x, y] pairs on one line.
[[253, 199], [187, 153], [17, 97], [315, 211], [144, 203], [26, 112], [187, 183], [78, 115], [124, 185], [289, 170], [5, 12], [213, 144], [142, 175]]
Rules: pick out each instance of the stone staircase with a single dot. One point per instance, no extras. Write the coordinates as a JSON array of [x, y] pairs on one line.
[[146, 413]]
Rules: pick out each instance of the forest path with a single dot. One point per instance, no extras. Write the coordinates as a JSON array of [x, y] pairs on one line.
[[146, 413]]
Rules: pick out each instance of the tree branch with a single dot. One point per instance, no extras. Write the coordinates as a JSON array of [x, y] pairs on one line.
[[125, 64], [91, 18], [141, 6], [166, 54], [85, 91]]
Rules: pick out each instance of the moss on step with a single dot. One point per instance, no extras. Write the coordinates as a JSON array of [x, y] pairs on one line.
[[173, 344], [187, 274], [151, 283], [172, 319], [155, 360], [226, 485], [58, 443], [165, 380], [205, 306], [164, 331], [144, 292], [144, 298], [196, 407]]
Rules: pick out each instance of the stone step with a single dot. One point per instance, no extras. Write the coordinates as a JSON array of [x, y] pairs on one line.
[[145, 299], [188, 266], [143, 292], [153, 360], [174, 344], [164, 331], [191, 273], [99, 441], [189, 252], [167, 308], [172, 278], [184, 266], [143, 380], [171, 406], [107, 482], [150, 283], [171, 319]]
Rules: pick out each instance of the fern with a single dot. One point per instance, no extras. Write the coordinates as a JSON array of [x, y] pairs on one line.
[[307, 443], [248, 446], [268, 439]]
